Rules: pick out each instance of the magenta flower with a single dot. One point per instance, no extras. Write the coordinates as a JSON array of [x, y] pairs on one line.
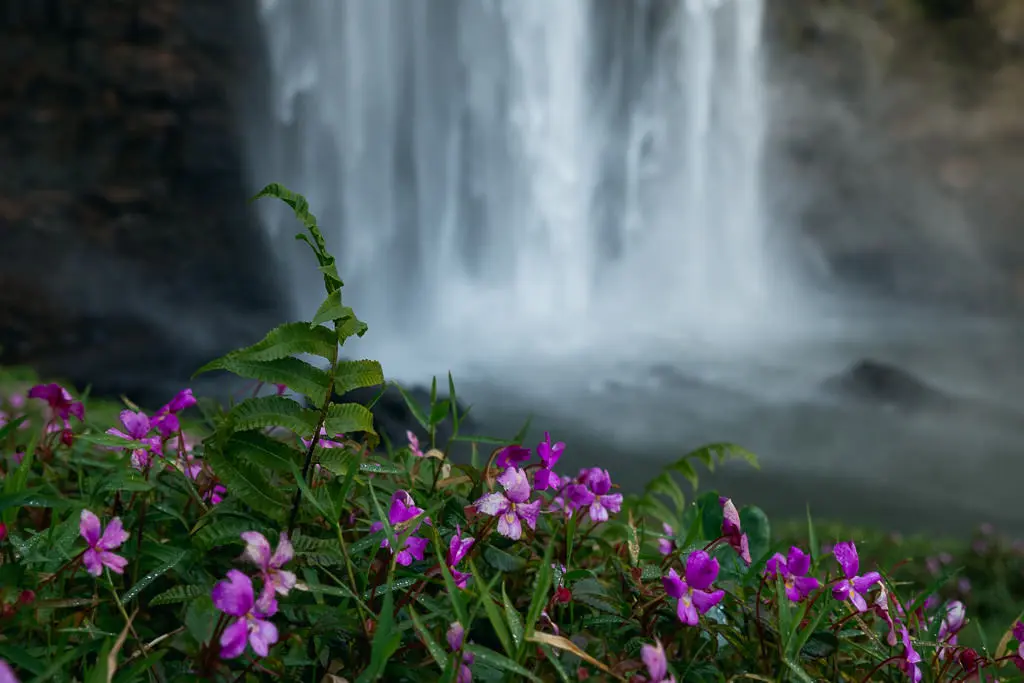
[[880, 607], [137, 426], [403, 509], [275, 579], [667, 546], [692, 594], [511, 456], [7, 673], [414, 444], [911, 658], [594, 485], [3, 532], [732, 531], [952, 623], [852, 587], [99, 555], [512, 505], [1018, 635], [215, 494], [325, 442], [234, 597], [455, 636], [545, 478], [656, 663], [793, 570], [458, 547], [183, 400], [59, 400]]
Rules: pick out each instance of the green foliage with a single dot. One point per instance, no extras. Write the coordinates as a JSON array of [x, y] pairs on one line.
[[391, 553]]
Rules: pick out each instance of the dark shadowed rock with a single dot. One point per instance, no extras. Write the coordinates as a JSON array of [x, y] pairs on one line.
[[876, 382]]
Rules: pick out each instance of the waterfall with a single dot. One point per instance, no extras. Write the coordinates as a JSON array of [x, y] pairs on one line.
[[501, 178]]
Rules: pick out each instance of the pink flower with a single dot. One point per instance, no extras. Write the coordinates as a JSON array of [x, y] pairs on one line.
[[183, 400], [98, 555], [852, 587], [911, 658], [7, 673], [545, 477], [414, 444], [403, 510], [234, 597], [593, 490], [275, 579], [732, 531], [325, 442], [656, 663], [511, 456], [692, 594], [3, 532], [512, 505], [455, 636], [952, 623], [458, 547], [793, 570], [137, 427], [60, 401]]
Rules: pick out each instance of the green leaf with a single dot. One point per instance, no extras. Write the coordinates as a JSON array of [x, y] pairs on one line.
[[812, 537], [249, 484], [351, 327], [666, 485], [515, 622], [685, 468], [541, 586], [357, 374], [820, 645], [152, 576], [272, 411], [223, 529], [264, 451], [180, 593], [454, 592], [283, 341], [758, 530], [493, 615], [415, 409], [503, 561], [110, 440], [21, 659], [386, 640], [438, 653], [296, 374], [439, 412], [496, 661], [344, 418]]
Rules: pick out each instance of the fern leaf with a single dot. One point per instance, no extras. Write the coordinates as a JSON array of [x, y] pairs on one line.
[[178, 594], [248, 483], [296, 374], [223, 530], [263, 450], [343, 418], [272, 411], [284, 341], [357, 374]]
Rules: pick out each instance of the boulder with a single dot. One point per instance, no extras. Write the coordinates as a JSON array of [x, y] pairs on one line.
[[879, 383]]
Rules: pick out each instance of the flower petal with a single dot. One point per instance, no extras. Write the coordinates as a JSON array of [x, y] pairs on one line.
[[687, 613], [509, 526], [705, 600], [846, 555], [492, 504], [89, 527], [673, 584], [91, 560], [234, 596], [284, 552], [862, 584], [528, 512], [257, 548], [115, 563], [113, 536], [516, 484], [654, 659], [232, 641], [701, 570], [455, 635], [262, 636], [798, 561]]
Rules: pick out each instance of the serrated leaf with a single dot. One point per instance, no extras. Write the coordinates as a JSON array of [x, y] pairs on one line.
[[249, 484], [148, 578], [224, 530], [685, 468], [344, 418], [296, 374], [666, 485], [182, 593], [284, 341], [357, 374], [272, 411], [332, 309], [265, 451]]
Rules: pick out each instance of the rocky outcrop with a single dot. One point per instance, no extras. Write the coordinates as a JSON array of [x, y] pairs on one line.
[[126, 248], [900, 128], [882, 384]]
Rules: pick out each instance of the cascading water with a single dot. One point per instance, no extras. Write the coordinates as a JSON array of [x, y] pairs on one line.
[[509, 178]]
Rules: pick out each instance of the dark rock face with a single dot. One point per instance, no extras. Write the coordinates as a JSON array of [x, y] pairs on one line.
[[127, 249], [882, 384]]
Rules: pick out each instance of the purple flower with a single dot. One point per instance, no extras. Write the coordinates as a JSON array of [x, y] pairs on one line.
[[852, 587], [215, 494], [656, 663], [911, 658], [1018, 635], [98, 555], [234, 597], [880, 606], [545, 478], [793, 570], [183, 400], [60, 401], [732, 531], [455, 636], [666, 546], [325, 442], [275, 579], [512, 505], [596, 483], [414, 444], [7, 673], [137, 428], [511, 456], [458, 546], [952, 623], [403, 509], [692, 594]]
